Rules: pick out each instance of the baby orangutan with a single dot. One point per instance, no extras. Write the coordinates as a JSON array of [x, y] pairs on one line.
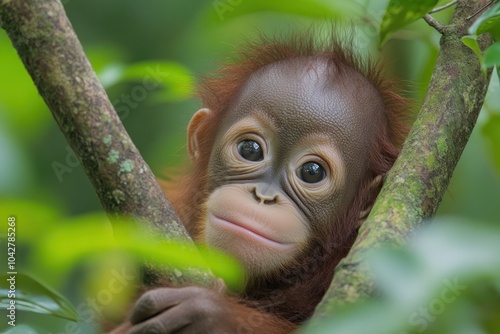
[[289, 153]]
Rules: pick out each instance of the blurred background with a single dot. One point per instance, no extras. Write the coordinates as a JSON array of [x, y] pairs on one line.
[[175, 43], [189, 38]]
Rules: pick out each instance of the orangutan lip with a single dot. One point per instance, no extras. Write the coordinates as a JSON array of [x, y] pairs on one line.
[[255, 233]]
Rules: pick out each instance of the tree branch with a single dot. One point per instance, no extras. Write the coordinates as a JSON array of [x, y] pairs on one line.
[[448, 5], [435, 23], [415, 185], [480, 10], [53, 56]]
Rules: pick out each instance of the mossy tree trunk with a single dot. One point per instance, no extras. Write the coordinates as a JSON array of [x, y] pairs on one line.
[[52, 54], [414, 187]]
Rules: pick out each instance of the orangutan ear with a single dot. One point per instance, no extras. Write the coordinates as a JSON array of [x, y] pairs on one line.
[[195, 132], [374, 185]]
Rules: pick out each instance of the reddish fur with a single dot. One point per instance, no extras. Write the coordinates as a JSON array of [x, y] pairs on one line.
[[297, 298]]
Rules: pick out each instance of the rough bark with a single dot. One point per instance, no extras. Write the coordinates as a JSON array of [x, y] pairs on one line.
[[416, 184], [51, 52]]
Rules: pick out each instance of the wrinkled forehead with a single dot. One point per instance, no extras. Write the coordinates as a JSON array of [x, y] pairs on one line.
[[310, 96]]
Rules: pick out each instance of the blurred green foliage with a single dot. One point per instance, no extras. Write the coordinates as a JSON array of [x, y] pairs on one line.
[[149, 55], [52, 249], [445, 281]]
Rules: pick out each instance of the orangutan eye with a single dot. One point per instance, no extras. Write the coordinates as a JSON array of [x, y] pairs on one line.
[[250, 150], [311, 172]]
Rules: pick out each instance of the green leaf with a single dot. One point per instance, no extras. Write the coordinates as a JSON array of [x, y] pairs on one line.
[[492, 56], [89, 235], [32, 296], [402, 12], [489, 21], [471, 42], [176, 81], [491, 131], [223, 9]]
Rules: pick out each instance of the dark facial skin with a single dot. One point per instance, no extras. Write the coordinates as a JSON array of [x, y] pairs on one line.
[[288, 158], [299, 120]]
